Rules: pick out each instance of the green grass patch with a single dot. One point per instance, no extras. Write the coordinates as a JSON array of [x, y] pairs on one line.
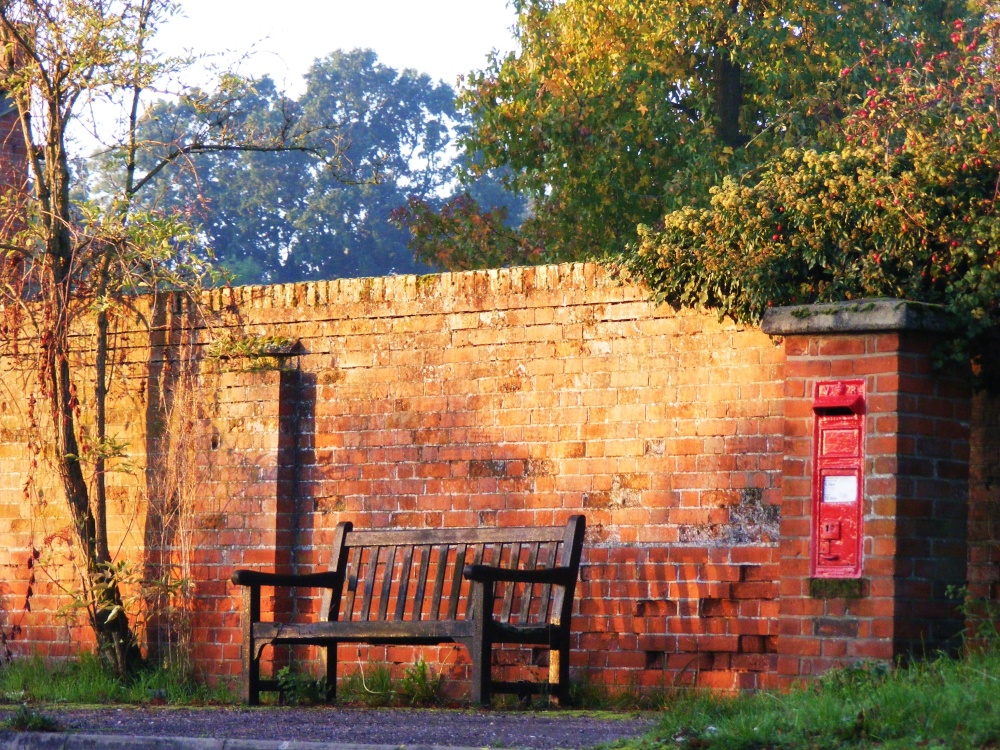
[[940, 703], [84, 680], [29, 720]]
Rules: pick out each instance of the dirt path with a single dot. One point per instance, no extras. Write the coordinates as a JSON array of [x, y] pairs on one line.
[[537, 730]]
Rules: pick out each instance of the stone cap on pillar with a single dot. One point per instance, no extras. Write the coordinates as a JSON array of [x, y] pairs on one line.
[[854, 316]]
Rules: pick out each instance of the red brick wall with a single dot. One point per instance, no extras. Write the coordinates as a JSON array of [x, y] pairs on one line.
[[914, 503], [507, 397], [511, 397]]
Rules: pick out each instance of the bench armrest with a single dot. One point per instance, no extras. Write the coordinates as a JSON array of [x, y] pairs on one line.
[[488, 574], [256, 578]]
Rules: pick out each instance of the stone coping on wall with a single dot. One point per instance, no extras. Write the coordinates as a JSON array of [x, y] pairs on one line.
[[854, 316], [458, 292]]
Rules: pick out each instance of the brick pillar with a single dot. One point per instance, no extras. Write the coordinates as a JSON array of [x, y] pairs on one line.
[[241, 519], [915, 486]]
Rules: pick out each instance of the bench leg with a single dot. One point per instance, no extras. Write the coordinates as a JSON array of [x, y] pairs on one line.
[[251, 682], [481, 653], [331, 673], [251, 670], [561, 673], [481, 649]]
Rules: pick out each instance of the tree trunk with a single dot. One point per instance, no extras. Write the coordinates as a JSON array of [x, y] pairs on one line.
[[115, 640], [727, 77]]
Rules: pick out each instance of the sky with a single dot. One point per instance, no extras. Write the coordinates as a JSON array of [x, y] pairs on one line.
[[443, 38]]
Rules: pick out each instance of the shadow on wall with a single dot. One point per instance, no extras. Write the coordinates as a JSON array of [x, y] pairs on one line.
[[172, 440]]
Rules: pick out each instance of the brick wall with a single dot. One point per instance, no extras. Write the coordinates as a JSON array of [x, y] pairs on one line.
[[514, 397], [519, 397], [915, 494]]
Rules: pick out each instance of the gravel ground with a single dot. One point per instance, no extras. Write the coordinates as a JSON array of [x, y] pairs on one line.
[[469, 728]]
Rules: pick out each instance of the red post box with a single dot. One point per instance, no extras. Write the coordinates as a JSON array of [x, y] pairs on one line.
[[838, 483]]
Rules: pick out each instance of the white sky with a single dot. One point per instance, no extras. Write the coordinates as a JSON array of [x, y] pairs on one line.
[[443, 38]]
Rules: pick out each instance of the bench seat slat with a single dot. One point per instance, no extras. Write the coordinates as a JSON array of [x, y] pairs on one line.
[[442, 570], [353, 571], [383, 602], [418, 601], [318, 632], [529, 588], [404, 583], [456, 581], [508, 594], [366, 602], [477, 555], [545, 600]]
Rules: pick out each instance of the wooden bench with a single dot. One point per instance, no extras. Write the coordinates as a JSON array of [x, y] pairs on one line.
[[432, 586]]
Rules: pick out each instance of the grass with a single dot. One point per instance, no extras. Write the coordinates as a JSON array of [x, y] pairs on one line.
[[85, 681], [28, 720], [935, 704], [941, 703]]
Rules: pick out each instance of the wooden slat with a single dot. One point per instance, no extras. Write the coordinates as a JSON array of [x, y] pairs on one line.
[[456, 581], [404, 583], [491, 535], [477, 559], [340, 554], [317, 632], [546, 587], [353, 570], [418, 599], [496, 552], [366, 602], [442, 569], [508, 594], [529, 588], [383, 602]]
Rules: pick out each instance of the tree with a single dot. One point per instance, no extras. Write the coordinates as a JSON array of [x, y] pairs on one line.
[[66, 259], [901, 202], [611, 114], [276, 218]]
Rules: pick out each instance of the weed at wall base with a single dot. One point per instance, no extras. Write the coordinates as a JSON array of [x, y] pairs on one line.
[[28, 720]]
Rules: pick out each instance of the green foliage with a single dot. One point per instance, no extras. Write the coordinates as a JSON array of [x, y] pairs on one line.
[[375, 686], [944, 703], [71, 268], [87, 680], [420, 686], [385, 135], [256, 352], [899, 203], [300, 689], [982, 618], [28, 720], [610, 114], [589, 695], [372, 688], [461, 236]]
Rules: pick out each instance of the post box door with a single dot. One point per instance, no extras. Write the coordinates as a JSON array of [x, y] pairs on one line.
[[838, 452], [838, 533]]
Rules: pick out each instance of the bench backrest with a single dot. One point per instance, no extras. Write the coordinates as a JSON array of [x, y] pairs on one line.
[[416, 575]]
